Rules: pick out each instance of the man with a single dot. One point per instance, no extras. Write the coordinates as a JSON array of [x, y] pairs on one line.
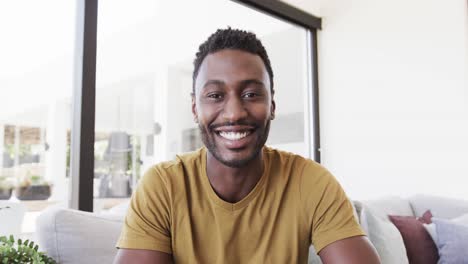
[[238, 201]]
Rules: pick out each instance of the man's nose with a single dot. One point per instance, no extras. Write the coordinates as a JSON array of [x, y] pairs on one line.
[[234, 109]]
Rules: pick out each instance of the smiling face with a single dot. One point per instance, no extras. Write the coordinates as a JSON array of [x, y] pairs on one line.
[[233, 106]]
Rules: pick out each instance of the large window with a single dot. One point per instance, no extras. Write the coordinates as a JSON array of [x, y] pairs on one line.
[[36, 79]]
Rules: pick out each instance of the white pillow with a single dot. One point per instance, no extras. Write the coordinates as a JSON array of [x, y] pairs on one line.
[[431, 228], [385, 237]]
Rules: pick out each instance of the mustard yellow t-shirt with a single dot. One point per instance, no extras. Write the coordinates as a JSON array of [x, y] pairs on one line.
[[295, 203]]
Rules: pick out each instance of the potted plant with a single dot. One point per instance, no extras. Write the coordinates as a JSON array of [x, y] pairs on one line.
[[17, 251], [6, 187], [33, 187]]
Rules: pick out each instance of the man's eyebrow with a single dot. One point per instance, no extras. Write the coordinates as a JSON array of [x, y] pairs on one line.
[[243, 83], [213, 82], [252, 81]]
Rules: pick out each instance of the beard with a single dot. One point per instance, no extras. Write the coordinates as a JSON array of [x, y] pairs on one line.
[[208, 137]]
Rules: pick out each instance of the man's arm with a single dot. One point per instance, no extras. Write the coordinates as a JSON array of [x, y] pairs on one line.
[[351, 250], [142, 256]]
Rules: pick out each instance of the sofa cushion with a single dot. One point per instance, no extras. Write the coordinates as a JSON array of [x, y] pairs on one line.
[[441, 207], [384, 236], [391, 205], [420, 247], [71, 236], [431, 228], [452, 241]]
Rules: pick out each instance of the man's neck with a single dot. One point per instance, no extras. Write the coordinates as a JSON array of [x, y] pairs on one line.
[[233, 184]]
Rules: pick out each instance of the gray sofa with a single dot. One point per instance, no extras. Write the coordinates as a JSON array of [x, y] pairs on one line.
[[71, 236]]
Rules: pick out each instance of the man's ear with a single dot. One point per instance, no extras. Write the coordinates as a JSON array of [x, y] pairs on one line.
[[272, 110], [194, 108]]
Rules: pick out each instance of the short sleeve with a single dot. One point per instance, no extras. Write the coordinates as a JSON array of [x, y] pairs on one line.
[[147, 223], [327, 208]]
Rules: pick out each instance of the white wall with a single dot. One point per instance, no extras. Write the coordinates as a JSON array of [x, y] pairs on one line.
[[394, 95]]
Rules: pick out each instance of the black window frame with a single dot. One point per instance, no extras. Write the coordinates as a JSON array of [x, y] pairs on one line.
[[84, 94]]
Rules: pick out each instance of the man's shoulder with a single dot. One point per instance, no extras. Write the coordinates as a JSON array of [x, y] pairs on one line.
[[185, 162], [284, 158]]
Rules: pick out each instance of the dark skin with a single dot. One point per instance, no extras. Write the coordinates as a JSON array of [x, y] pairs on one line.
[[233, 87]]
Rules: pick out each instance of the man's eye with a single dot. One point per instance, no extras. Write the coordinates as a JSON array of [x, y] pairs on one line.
[[214, 96], [250, 95]]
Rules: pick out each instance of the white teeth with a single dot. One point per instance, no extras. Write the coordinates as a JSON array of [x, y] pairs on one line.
[[233, 135]]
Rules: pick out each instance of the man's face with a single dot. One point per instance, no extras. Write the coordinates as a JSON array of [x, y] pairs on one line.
[[233, 105]]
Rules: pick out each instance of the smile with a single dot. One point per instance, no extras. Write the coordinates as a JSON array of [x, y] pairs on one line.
[[231, 135]]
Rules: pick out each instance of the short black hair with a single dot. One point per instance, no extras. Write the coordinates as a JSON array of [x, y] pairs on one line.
[[235, 39]]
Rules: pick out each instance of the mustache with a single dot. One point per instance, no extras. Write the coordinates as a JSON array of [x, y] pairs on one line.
[[238, 123]]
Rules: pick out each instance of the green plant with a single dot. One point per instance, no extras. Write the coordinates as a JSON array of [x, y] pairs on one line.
[[17, 251], [23, 150], [37, 180]]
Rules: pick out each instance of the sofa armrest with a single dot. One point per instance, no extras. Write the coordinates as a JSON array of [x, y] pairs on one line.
[[71, 236]]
